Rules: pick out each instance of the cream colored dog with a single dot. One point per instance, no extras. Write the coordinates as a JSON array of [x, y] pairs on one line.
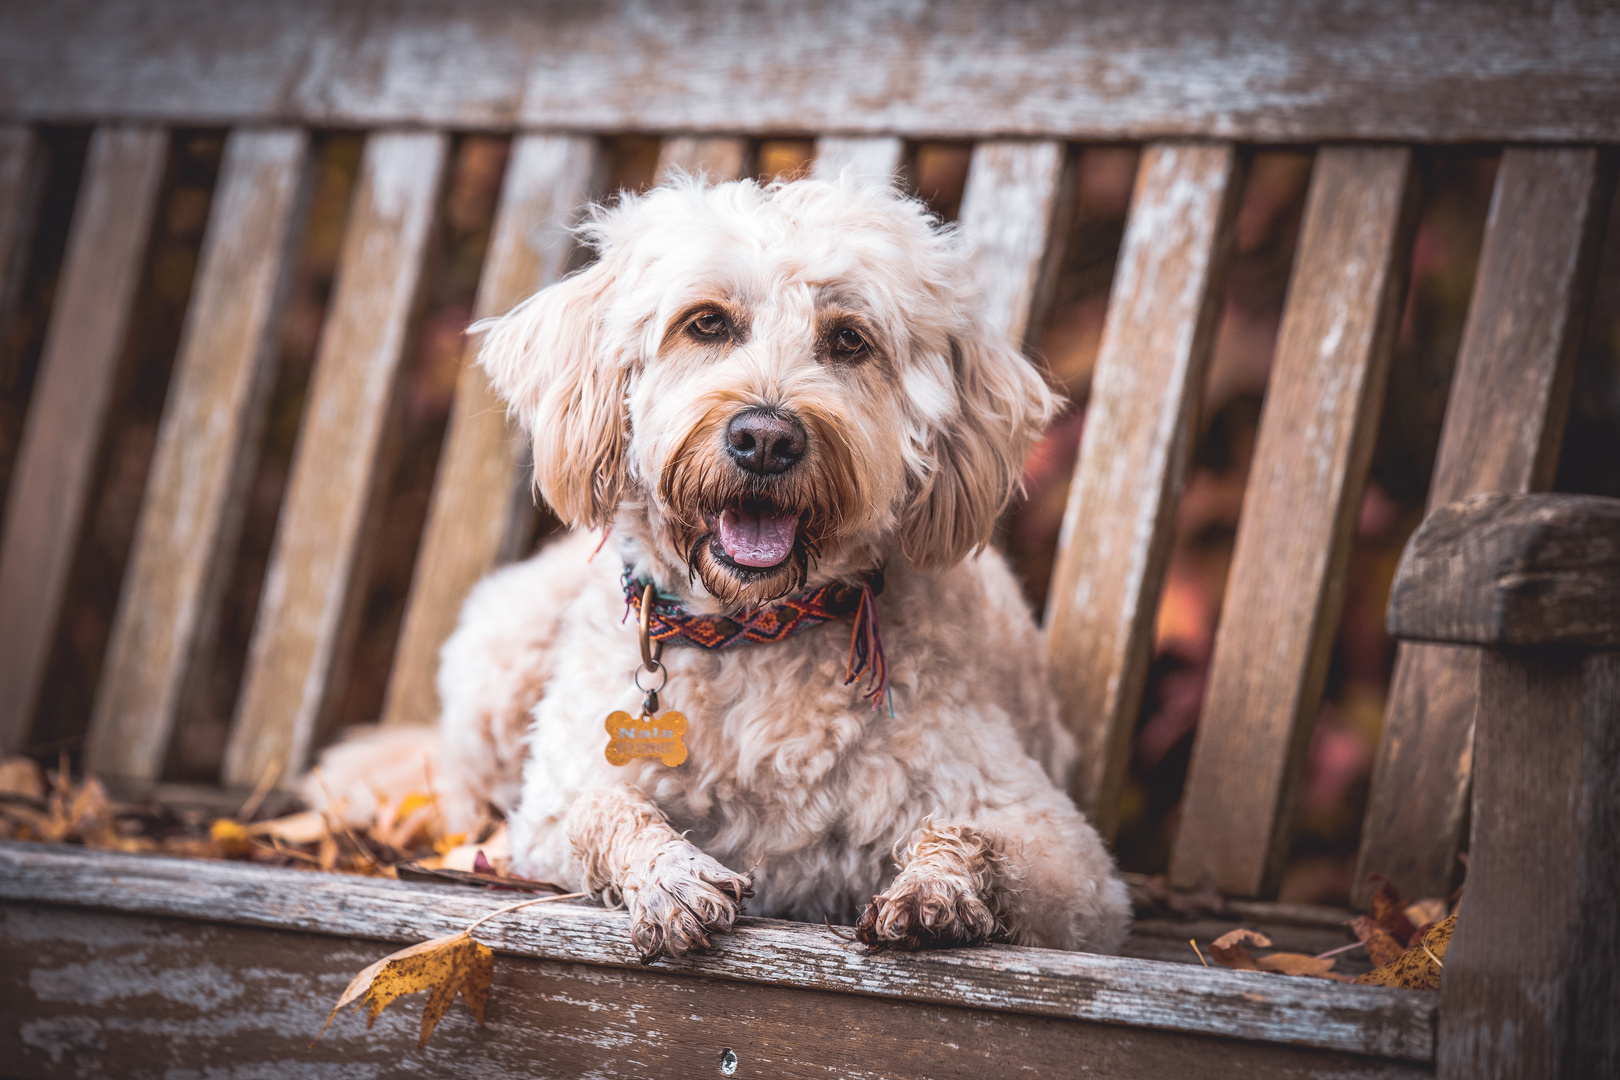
[[755, 391]]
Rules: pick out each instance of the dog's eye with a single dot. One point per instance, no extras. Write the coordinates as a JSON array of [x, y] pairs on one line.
[[710, 324], [848, 342]]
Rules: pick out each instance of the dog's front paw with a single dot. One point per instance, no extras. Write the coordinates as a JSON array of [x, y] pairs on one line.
[[679, 899], [923, 912]]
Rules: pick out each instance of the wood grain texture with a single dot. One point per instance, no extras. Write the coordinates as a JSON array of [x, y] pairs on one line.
[[482, 492], [715, 159], [195, 495], [1140, 426], [316, 572], [1267, 70], [1530, 988], [129, 998], [22, 173], [1511, 572], [877, 155], [1503, 429], [1016, 191], [1377, 1021], [1286, 584], [67, 415]]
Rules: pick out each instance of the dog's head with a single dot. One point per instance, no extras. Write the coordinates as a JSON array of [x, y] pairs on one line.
[[770, 385]]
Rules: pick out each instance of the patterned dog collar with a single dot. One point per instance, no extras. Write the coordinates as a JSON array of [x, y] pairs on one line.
[[670, 624]]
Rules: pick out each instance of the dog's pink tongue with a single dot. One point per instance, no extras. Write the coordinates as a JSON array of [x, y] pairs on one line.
[[756, 539]]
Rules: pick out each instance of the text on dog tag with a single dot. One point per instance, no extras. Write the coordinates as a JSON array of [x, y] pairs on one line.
[[646, 736]]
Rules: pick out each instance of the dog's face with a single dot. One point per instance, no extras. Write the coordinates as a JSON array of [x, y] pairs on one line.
[[770, 386]]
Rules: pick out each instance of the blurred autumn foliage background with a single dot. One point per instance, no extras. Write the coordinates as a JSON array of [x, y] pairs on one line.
[[1346, 733]]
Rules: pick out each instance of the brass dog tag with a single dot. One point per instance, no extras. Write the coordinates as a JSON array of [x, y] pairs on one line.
[[646, 736]]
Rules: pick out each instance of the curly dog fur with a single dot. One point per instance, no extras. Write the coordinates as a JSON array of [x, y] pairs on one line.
[[839, 310]]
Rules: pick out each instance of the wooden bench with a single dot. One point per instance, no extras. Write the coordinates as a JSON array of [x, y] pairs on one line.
[[122, 965]]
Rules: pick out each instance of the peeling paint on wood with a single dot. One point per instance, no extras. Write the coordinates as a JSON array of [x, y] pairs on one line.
[[1016, 191], [1172, 997], [1272, 71], [165, 998], [315, 578], [195, 496], [67, 415], [1503, 429], [1138, 436], [482, 494], [1310, 461]]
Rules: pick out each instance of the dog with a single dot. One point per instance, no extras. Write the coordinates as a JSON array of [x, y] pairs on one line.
[[773, 404]]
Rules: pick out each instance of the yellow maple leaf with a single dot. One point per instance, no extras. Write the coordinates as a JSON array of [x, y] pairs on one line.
[[447, 966]]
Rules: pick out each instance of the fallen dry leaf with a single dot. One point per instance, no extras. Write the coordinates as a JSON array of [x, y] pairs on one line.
[[1418, 968], [1380, 943], [1425, 913], [22, 777], [446, 966], [1228, 949], [1293, 963], [1388, 912]]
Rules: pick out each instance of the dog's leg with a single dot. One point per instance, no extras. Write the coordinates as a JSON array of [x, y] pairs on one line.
[[1039, 878], [950, 891], [676, 894]]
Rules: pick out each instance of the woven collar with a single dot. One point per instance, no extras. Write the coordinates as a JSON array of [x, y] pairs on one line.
[[670, 624]]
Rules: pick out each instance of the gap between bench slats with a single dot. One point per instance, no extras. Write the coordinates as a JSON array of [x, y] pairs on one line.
[[22, 174], [1503, 429], [482, 496], [1287, 579], [1140, 426], [196, 492], [311, 592], [67, 415]]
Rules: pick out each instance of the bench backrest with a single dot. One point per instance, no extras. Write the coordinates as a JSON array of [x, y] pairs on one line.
[[1193, 83]]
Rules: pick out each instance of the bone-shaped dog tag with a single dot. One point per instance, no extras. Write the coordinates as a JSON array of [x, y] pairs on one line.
[[646, 736]]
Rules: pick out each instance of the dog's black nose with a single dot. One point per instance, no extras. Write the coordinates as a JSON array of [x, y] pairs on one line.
[[765, 442]]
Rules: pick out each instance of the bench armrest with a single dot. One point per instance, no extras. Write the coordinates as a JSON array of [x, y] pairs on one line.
[[1513, 571]]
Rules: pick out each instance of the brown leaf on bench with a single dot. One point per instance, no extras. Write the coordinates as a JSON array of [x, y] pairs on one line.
[[1389, 911], [446, 966], [1380, 943], [1419, 967], [1228, 949]]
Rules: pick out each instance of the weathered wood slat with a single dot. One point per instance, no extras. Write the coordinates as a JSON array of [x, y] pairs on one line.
[[22, 169], [878, 155], [1286, 585], [315, 574], [45, 503], [1140, 426], [1503, 429], [126, 998], [482, 493], [1387, 69], [1016, 192], [1530, 991], [717, 159], [1303, 1012], [205, 452], [1513, 572]]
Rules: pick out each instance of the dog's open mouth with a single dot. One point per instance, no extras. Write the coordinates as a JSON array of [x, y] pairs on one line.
[[754, 534]]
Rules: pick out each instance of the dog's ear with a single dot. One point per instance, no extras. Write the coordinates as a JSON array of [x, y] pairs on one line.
[[548, 358], [979, 453]]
